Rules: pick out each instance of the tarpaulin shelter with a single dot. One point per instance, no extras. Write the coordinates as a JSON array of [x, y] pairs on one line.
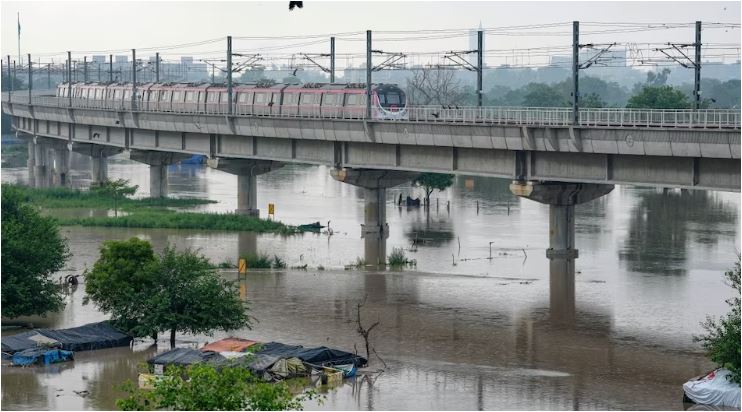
[[44, 356], [184, 357], [98, 335], [230, 344], [288, 368]]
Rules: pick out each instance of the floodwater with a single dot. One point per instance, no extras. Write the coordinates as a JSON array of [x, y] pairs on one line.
[[459, 331]]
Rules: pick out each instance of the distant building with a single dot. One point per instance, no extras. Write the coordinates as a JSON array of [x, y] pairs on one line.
[[99, 59], [121, 59]]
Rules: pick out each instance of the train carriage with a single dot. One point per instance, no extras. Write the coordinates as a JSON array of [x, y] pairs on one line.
[[311, 100]]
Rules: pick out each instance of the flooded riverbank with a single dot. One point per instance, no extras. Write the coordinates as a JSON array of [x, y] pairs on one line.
[[461, 331]]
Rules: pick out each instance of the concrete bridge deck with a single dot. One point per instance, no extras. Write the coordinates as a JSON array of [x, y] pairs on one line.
[[664, 148]]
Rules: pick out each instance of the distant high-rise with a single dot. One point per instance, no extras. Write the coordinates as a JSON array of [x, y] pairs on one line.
[[473, 44], [99, 59]]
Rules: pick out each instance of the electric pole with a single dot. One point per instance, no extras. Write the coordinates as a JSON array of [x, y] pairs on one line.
[[110, 68], [30, 78], [480, 65], [157, 67], [69, 78], [133, 79], [575, 72], [85, 69], [229, 74], [697, 68], [332, 59], [369, 68]]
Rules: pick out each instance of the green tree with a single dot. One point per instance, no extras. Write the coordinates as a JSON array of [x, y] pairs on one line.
[[543, 95], [202, 387], [117, 190], [32, 250], [592, 100], [659, 78], [176, 291], [722, 338], [432, 181], [659, 97]]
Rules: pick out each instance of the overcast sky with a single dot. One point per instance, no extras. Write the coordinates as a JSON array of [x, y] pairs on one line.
[[56, 26]]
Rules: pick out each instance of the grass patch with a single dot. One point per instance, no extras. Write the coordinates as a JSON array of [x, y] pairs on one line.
[[167, 219], [263, 261], [63, 198], [398, 258]]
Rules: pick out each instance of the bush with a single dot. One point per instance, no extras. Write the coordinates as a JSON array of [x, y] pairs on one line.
[[397, 257], [722, 340], [259, 261], [278, 263], [203, 387]]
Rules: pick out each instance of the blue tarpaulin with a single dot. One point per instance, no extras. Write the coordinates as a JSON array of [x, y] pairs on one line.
[[43, 356]]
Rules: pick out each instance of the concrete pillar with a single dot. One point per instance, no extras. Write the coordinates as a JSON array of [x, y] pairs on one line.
[[99, 169], [41, 162], [158, 180], [158, 163], [31, 162], [61, 166], [561, 198], [99, 155], [247, 171], [247, 195], [375, 229]]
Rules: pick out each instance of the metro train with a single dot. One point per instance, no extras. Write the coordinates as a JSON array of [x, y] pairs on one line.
[[334, 100]]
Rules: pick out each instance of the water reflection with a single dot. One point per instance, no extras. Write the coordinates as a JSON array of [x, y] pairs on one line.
[[662, 225]]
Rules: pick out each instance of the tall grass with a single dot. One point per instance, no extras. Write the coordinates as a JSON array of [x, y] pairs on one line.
[[263, 261], [62, 197], [165, 219]]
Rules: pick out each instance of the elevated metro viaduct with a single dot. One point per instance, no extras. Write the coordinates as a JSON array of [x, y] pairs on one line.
[[550, 162]]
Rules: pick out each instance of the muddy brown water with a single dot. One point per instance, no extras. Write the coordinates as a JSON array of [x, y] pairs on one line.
[[480, 334]]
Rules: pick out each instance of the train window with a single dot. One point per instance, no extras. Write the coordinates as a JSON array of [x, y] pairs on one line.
[[260, 98], [165, 96], [329, 99], [189, 96], [176, 96], [309, 98], [391, 98], [290, 98], [225, 97], [355, 99]]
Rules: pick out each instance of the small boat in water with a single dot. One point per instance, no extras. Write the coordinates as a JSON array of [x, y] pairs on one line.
[[310, 227], [348, 370]]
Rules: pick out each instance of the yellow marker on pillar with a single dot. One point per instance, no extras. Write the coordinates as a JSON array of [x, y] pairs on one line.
[[242, 266], [271, 209]]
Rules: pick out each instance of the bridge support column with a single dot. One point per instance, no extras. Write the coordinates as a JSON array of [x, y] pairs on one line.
[[247, 171], [158, 163], [61, 166], [31, 162], [375, 229], [561, 198], [99, 155]]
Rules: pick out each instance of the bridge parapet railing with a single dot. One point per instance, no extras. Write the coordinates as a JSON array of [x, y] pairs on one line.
[[521, 116]]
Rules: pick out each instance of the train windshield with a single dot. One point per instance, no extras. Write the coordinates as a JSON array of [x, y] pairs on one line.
[[391, 97]]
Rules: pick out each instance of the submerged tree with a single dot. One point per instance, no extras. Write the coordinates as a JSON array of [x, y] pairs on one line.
[[117, 190], [176, 291], [432, 181], [722, 338], [32, 250]]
